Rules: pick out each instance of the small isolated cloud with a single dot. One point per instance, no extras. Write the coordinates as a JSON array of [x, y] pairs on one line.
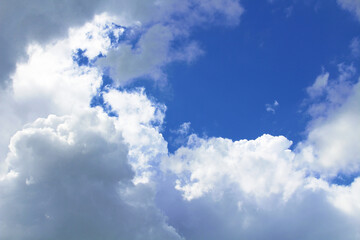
[[272, 107]]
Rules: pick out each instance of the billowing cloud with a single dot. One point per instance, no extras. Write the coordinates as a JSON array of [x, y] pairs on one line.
[[332, 144], [257, 188], [258, 167], [140, 120], [253, 189], [22, 23], [68, 178], [81, 155], [81, 158], [70, 169]]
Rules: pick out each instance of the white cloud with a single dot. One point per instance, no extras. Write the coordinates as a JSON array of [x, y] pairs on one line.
[[50, 82], [352, 6], [347, 198], [326, 95], [259, 168], [77, 173], [139, 120], [332, 144], [68, 178], [272, 107], [40, 22], [184, 128], [257, 188], [74, 169], [319, 85], [253, 189], [151, 53]]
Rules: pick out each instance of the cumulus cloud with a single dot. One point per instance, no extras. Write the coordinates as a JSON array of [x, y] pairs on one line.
[[253, 189], [259, 168], [257, 188], [81, 159], [68, 178], [308, 214], [332, 144], [23, 23], [72, 172], [51, 82], [326, 95], [140, 120]]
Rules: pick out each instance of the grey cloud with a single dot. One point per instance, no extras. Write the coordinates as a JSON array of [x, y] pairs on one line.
[[22, 22], [149, 56], [306, 215], [68, 178]]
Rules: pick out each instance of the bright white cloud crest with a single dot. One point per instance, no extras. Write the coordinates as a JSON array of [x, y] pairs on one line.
[[258, 167], [83, 159]]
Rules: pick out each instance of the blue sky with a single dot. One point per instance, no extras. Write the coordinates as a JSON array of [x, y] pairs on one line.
[[269, 56], [173, 120], [274, 54]]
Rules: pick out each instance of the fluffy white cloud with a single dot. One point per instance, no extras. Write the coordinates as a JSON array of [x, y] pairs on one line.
[[139, 120], [259, 168], [308, 214], [68, 178], [332, 145], [50, 82], [257, 188], [71, 174], [347, 198], [78, 173], [253, 189]]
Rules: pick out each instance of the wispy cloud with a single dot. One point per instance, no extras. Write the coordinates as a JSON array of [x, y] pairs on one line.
[[272, 107]]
